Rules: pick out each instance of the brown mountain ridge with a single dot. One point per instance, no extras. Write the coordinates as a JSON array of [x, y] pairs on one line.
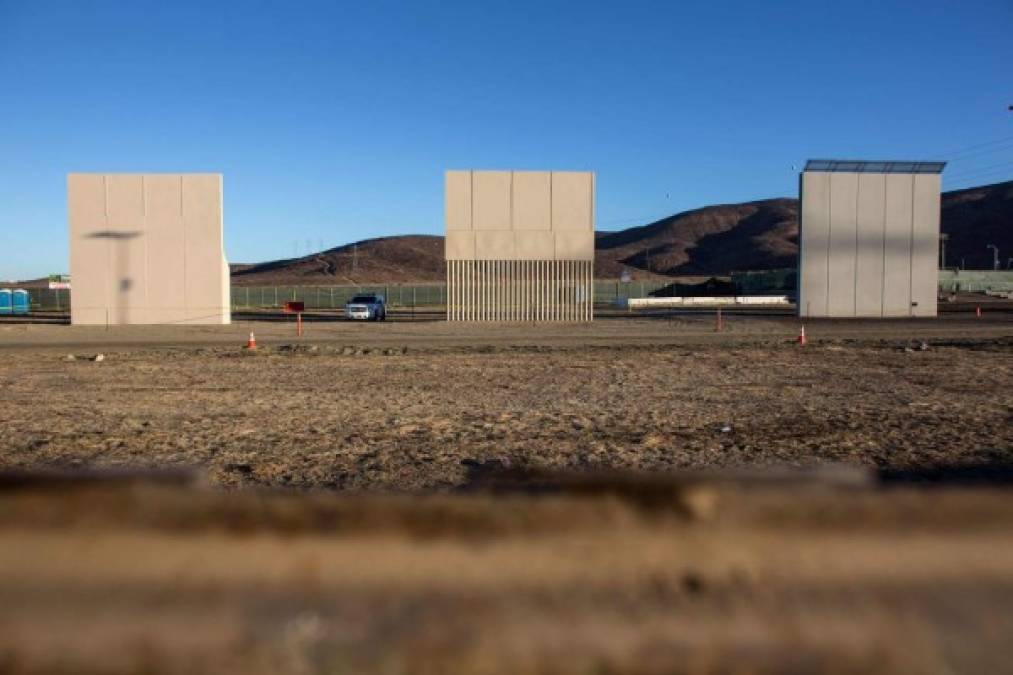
[[713, 240]]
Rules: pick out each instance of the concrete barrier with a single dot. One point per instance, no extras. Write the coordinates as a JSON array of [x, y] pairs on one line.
[[706, 301]]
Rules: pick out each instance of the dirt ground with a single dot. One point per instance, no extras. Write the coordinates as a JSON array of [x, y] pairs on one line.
[[408, 407], [417, 497]]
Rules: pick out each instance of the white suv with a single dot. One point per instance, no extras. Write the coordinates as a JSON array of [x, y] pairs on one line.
[[366, 307]]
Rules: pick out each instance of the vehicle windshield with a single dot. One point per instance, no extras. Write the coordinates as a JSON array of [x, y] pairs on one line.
[[363, 299]]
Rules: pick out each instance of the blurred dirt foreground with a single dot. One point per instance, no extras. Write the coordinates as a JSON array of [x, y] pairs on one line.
[[640, 496]]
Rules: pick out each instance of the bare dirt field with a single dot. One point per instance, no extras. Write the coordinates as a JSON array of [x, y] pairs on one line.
[[410, 406], [422, 497]]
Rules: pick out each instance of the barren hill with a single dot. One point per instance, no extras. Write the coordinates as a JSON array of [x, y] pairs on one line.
[[407, 258], [706, 241], [974, 218]]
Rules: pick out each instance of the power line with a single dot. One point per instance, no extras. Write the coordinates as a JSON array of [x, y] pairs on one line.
[[1008, 145], [983, 169], [953, 154], [951, 184]]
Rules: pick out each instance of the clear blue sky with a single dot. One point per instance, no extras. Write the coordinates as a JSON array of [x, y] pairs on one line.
[[334, 121]]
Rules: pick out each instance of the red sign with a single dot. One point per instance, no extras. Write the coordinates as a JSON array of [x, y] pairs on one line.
[[293, 307]]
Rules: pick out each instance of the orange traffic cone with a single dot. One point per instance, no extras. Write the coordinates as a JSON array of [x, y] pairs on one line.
[[801, 337], [252, 342]]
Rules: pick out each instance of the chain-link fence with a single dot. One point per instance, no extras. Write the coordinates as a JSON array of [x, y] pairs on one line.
[[49, 299], [975, 281], [335, 297], [435, 294]]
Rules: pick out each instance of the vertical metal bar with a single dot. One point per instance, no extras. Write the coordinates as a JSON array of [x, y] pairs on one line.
[[588, 292], [540, 289], [515, 305], [569, 291], [556, 285], [565, 291], [545, 290], [573, 290], [529, 297], [525, 279], [552, 290], [528, 265], [527, 290], [510, 291], [562, 290]]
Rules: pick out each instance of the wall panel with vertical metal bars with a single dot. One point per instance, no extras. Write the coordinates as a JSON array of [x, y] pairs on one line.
[[519, 245], [520, 290]]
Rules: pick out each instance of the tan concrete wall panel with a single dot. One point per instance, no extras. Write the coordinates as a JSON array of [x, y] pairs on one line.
[[814, 234], [535, 245], [532, 204], [460, 245], [128, 248], [202, 212], [86, 214], [574, 246], [869, 258], [925, 244], [527, 204], [457, 200], [572, 200], [491, 200], [147, 249], [897, 246], [495, 245], [163, 198]]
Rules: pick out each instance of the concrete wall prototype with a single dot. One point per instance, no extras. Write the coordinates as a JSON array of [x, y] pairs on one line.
[[147, 249], [868, 244], [519, 245]]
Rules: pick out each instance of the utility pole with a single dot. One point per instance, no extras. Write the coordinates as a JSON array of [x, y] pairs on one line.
[[942, 250], [995, 256]]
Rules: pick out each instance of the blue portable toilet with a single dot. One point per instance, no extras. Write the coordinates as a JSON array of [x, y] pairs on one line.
[[6, 301], [21, 303]]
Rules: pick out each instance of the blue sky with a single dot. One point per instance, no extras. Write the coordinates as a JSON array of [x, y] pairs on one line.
[[333, 122]]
